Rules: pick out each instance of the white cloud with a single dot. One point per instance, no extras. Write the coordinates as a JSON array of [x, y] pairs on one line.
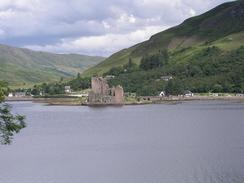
[[6, 14], [125, 18], [92, 27], [102, 45], [2, 33], [193, 12]]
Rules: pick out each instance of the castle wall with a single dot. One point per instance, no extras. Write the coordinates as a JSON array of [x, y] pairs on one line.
[[99, 86], [102, 94], [119, 95]]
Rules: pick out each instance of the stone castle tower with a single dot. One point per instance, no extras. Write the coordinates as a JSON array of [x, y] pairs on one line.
[[99, 86], [102, 94]]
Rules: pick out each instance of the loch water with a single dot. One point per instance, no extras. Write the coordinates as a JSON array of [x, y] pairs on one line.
[[192, 142]]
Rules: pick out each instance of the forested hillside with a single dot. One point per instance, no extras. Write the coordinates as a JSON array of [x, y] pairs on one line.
[[204, 53]]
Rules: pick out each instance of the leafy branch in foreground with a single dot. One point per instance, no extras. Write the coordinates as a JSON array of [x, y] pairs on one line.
[[9, 124]]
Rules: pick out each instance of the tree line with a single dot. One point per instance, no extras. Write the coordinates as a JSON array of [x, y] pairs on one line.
[[58, 88], [208, 70]]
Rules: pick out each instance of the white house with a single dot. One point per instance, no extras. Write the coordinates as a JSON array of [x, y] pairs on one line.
[[20, 94], [67, 89], [10, 95], [166, 78], [240, 95], [188, 94], [108, 77], [162, 94]]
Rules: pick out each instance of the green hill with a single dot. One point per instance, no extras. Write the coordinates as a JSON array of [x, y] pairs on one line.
[[22, 66], [210, 27], [209, 44]]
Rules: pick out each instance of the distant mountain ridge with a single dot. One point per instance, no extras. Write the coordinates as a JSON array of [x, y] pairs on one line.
[[20, 65]]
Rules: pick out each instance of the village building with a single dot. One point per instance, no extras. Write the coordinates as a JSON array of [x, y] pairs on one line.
[[188, 93], [102, 94], [166, 78], [213, 94], [20, 94], [41, 93], [162, 94], [240, 95], [109, 77], [67, 89]]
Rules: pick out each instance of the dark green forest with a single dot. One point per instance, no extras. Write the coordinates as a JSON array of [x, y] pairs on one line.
[[210, 70]]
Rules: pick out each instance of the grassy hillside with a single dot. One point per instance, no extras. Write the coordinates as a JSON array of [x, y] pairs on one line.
[[22, 66], [204, 53], [221, 27]]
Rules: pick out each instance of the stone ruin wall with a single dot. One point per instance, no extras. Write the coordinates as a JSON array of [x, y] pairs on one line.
[[100, 86], [102, 94], [118, 97]]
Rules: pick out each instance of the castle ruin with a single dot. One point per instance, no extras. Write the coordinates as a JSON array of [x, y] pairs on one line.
[[102, 94]]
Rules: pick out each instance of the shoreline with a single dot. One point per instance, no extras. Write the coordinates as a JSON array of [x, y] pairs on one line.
[[143, 100]]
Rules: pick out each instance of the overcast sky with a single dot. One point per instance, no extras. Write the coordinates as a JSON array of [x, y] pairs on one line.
[[92, 27]]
